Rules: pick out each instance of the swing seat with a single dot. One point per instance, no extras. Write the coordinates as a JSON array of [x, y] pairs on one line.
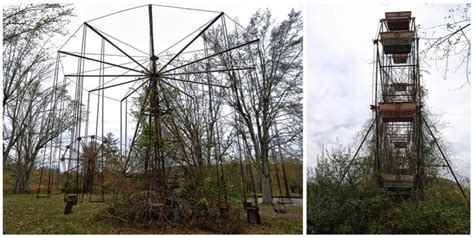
[[253, 217], [279, 208], [176, 215], [71, 200], [224, 211]]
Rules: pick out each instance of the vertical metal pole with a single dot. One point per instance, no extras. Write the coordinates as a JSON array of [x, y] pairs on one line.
[[121, 134], [126, 125], [55, 98], [79, 102], [377, 131], [61, 107], [224, 26], [419, 157], [102, 133], [154, 118], [213, 123]]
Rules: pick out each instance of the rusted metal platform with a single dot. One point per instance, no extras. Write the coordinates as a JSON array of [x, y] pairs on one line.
[[399, 42], [398, 20], [398, 181], [397, 111]]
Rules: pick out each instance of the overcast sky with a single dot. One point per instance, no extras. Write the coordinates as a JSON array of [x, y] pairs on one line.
[[338, 69], [338, 80]]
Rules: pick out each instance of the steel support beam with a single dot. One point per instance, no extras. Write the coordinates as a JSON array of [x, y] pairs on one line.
[[445, 159], [115, 46]]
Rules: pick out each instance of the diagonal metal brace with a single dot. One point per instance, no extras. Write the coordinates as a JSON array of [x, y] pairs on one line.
[[445, 159], [99, 61], [357, 152], [190, 42], [213, 55], [115, 46], [115, 85]]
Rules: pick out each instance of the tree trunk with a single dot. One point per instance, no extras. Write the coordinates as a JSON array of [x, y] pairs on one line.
[[266, 179], [266, 184], [22, 181]]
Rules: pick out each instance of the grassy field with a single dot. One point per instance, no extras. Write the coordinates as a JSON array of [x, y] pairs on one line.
[[25, 214]]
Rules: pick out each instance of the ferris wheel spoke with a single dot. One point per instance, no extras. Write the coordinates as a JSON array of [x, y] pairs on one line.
[[210, 71], [115, 46], [118, 84], [175, 87], [195, 82], [190, 42], [213, 55], [99, 61]]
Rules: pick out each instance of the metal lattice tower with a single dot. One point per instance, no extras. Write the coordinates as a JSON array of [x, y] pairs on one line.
[[399, 121], [398, 102]]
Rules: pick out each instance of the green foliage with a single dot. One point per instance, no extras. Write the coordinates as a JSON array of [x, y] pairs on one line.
[[442, 211], [35, 20], [294, 176], [357, 205], [334, 208], [341, 208]]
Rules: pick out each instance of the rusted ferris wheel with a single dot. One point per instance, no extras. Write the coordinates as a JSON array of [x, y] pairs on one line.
[[399, 127]]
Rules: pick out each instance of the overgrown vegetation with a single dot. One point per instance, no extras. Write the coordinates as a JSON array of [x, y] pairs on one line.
[[358, 205]]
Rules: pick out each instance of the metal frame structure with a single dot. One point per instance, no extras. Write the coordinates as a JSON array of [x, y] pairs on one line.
[[85, 169], [398, 136], [398, 109], [154, 76]]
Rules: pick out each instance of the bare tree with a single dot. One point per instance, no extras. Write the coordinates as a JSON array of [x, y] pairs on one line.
[[31, 90], [37, 118], [27, 30], [272, 97], [448, 44]]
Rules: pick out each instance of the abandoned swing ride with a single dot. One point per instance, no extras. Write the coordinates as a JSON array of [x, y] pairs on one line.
[[187, 72]]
